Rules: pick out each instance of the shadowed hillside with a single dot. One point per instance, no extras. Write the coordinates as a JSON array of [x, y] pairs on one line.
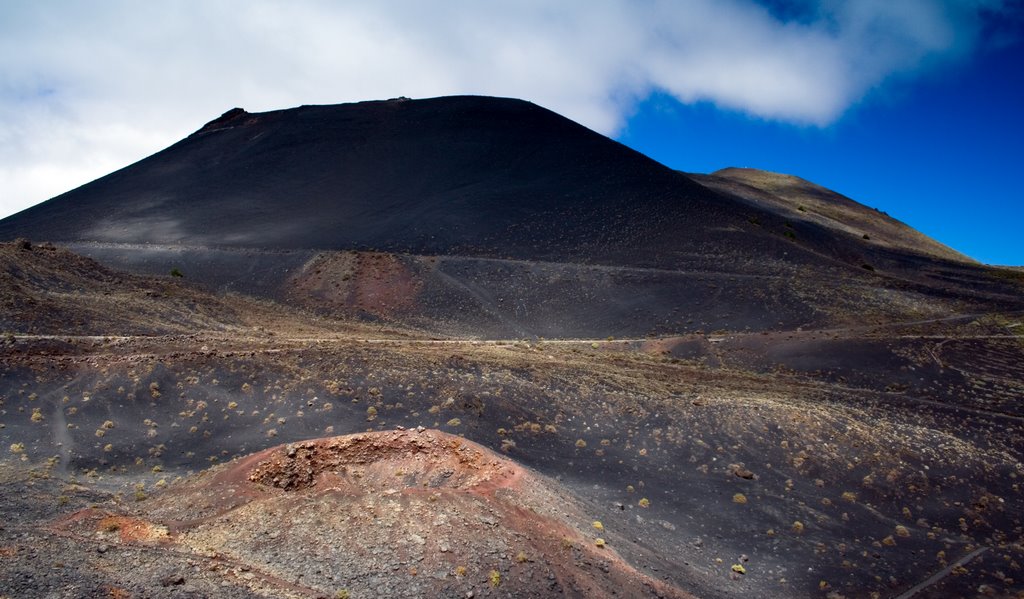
[[462, 175], [471, 176], [476, 216]]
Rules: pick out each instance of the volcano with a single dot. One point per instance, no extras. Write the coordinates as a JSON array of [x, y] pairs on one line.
[[465, 346], [473, 176], [492, 217]]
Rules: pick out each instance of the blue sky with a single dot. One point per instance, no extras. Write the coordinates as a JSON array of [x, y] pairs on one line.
[[944, 153], [910, 106]]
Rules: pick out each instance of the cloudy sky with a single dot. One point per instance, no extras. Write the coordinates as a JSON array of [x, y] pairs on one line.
[[854, 95]]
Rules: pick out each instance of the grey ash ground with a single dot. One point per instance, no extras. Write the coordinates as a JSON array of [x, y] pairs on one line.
[[708, 378]]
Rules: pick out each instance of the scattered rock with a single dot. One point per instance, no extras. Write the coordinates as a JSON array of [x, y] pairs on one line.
[[172, 580], [742, 472]]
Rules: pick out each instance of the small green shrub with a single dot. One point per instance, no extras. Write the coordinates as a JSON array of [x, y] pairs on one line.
[[176, 273]]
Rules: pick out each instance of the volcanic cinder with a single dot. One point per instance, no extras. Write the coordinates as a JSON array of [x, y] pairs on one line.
[[466, 347]]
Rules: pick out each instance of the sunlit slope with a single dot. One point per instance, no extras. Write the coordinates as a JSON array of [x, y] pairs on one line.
[[804, 200]]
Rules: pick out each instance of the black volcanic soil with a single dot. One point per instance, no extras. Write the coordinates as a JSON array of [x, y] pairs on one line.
[[50, 292], [490, 217], [888, 487], [501, 299], [459, 176], [752, 399], [462, 175]]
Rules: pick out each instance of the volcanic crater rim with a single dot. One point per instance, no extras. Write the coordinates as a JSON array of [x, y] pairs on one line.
[[410, 459]]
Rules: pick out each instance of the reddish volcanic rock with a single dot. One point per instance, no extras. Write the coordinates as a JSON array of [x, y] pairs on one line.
[[394, 513]]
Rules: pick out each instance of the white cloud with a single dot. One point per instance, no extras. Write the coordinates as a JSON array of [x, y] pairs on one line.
[[88, 87]]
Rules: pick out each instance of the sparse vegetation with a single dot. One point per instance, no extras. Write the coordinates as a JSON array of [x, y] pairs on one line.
[[1009, 274], [648, 413]]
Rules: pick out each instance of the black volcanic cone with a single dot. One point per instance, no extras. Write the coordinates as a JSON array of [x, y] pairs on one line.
[[468, 175]]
